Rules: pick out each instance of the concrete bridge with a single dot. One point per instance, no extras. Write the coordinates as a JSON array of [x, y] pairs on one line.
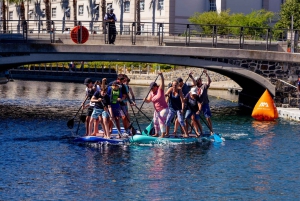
[[219, 60]]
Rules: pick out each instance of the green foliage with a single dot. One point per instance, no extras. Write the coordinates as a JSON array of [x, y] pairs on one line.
[[288, 9], [230, 23]]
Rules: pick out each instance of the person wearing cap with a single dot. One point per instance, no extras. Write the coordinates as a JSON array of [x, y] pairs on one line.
[[193, 107], [174, 97], [115, 95], [110, 18], [186, 87], [89, 92], [161, 109], [202, 89], [101, 110]]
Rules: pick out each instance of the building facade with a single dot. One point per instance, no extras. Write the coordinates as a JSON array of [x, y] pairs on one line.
[[152, 12]]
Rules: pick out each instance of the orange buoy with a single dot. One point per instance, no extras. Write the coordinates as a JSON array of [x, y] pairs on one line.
[[75, 31], [265, 109]]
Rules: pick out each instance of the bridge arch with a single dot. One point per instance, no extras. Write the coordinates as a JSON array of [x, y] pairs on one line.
[[253, 84]]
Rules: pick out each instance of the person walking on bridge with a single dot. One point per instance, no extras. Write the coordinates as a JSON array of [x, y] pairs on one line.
[[110, 18]]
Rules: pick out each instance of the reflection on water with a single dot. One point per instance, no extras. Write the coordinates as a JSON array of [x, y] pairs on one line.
[[40, 161]]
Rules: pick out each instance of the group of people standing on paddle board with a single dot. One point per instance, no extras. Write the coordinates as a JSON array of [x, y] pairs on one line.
[[182, 102], [108, 103]]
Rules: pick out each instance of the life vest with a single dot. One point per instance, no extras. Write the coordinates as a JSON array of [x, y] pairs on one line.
[[114, 96]]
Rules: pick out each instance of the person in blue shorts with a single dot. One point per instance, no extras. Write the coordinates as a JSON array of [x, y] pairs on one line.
[[115, 94], [175, 100], [202, 89], [100, 112], [193, 107]]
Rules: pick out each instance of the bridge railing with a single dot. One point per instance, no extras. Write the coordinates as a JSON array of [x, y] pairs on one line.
[[216, 36]]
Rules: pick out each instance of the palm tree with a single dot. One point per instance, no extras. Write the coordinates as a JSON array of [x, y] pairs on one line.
[[121, 3], [75, 12], [48, 15], [138, 16], [4, 16], [103, 10], [153, 6]]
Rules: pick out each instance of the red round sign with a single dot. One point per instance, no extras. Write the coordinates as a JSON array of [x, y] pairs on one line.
[[75, 31]]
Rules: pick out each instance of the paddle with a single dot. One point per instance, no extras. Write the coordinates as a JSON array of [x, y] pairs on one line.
[[142, 113], [70, 123], [216, 136], [148, 93], [115, 125], [148, 129], [130, 126], [79, 123], [136, 118]]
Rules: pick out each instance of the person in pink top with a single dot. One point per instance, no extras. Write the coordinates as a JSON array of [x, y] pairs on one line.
[[161, 110]]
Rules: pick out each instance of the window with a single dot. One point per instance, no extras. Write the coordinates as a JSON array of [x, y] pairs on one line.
[[127, 6], [142, 5], [80, 10], [11, 15], [53, 12], [212, 5], [53, 0], [160, 5], [30, 13]]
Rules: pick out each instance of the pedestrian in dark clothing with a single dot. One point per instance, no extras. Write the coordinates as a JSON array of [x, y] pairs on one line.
[[110, 19]]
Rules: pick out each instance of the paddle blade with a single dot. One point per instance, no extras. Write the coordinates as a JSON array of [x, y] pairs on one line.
[[70, 123], [83, 118], [217, 138], [147, 130]]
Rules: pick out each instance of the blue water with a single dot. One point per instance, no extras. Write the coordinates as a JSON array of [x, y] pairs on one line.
[[39, 161]]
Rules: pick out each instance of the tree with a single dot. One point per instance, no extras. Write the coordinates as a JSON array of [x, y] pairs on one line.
[[4, 16], [48, 15], [206, 21], [75, 12], [121, 4], [288, 9], [138, 16], [103, 10]]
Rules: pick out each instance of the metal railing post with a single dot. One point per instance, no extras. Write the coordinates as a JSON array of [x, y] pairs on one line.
[[106, 33], [52, 32], [267, 39], [79, 33], [25, 31], [188, 35], [215, 36], [160, 31], [242, 38], [133, 33]]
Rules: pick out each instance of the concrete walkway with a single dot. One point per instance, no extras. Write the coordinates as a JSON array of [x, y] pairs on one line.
[[289, 113]]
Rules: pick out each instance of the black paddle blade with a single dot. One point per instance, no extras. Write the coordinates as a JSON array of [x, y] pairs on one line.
[[70, 123], [83, 118]]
